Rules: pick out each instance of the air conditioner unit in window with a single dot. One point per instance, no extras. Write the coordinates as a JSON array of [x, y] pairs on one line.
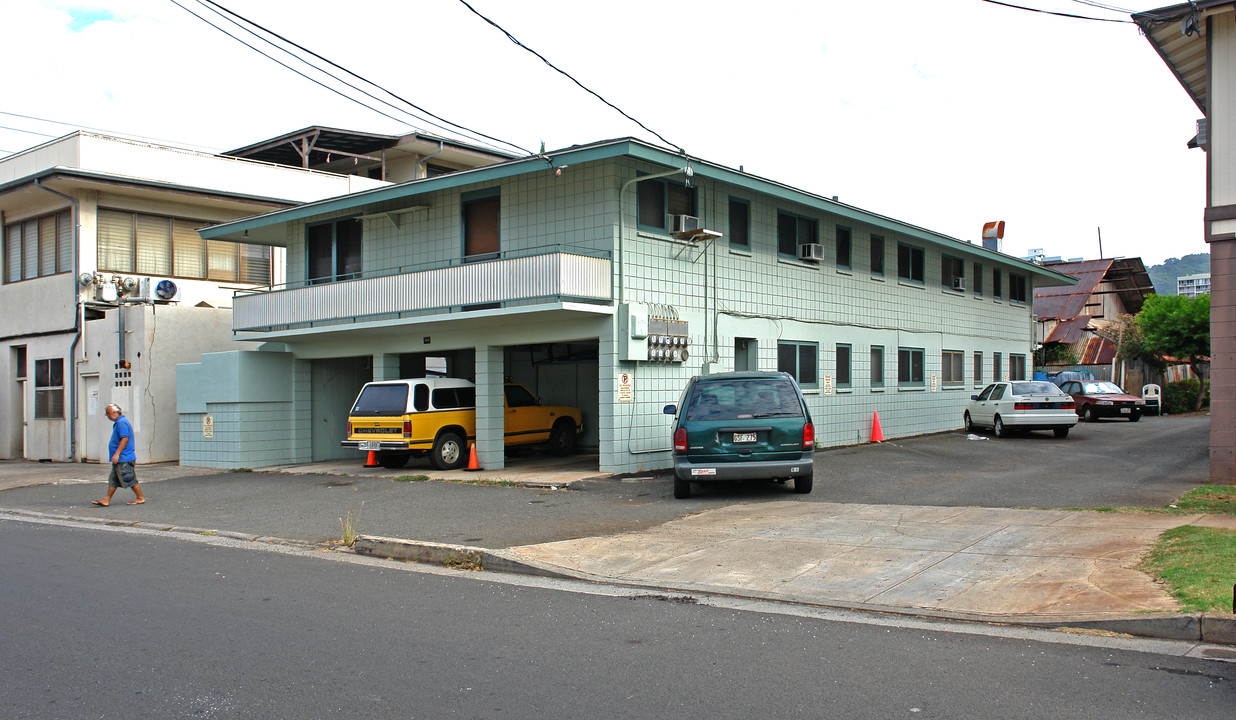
[[811, 251], [959, 283], [683, 224]]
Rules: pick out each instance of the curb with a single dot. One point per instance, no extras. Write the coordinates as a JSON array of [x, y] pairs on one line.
[[1217, 628]]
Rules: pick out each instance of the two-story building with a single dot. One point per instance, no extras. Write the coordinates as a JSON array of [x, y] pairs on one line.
[[603, 276], [107, 286]]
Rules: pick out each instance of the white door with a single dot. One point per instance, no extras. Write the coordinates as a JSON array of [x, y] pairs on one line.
[[96, 429]]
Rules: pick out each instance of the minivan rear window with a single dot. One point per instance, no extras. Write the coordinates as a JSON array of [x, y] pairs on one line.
[[740, 399], [382, 400]]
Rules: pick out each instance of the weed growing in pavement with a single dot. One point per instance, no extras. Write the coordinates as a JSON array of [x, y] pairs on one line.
[[243, 470], [411, 478], [490, 483], [350, 525], [1198, 564], [463, 561]]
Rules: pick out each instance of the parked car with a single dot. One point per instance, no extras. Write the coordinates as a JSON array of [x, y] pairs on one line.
[[1021, 405], [742, 426], [400, 419], [1099, 398]]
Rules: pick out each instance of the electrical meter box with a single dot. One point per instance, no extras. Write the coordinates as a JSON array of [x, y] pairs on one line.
[[649, 336]]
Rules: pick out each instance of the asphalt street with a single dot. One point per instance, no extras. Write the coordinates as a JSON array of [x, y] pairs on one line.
[[117, 622]]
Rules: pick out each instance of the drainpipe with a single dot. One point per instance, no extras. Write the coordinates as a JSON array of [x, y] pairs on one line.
[[77, 317], [686, 170], [423, 162]]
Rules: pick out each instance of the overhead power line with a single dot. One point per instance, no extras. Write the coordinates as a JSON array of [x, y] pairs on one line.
[[1057, 14], [454, 127], [569, 77], [79, 126]]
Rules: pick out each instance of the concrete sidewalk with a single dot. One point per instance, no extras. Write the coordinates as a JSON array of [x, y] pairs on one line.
[[1032, 567]]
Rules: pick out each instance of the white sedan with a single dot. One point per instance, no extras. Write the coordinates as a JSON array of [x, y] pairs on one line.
[[1021, 405]]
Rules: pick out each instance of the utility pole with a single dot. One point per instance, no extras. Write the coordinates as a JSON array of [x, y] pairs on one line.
[[1100, 242]]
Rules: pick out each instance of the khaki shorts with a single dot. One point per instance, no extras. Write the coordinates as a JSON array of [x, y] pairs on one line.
[[122, 475]]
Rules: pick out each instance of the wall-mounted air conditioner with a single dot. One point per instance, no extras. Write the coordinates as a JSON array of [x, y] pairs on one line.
[[811, 251], [959, 283], [683, 224]]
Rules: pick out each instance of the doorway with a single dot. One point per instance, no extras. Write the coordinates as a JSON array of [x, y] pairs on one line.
[[336, 382]]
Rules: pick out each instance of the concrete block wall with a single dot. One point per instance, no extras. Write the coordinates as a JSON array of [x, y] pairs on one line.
[[246, 435]]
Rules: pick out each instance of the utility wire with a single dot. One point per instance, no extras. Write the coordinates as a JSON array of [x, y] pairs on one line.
[[457, 127], [79, 126], [32, 132], [1057, 14], [568, 76]]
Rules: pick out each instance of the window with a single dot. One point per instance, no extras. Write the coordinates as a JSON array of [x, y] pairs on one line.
[[334, 251], [740, 224], [799, 360], [877, 366], [844, 379], [157, 245], [978, 368], [793, 231], [996, 290], [978, 279], [38, 247], [843, 248], [481, 216], [656, 200], [951, 269], [909, 366], [49, 389], [877, 255], [952, 367], [996, 368], [909, 263], [1017, 288], [1017, 367]]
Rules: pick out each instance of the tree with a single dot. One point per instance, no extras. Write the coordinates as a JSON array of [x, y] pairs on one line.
[[1178, 327]]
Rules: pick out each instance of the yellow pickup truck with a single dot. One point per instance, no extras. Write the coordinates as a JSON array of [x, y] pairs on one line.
[[401, 419]]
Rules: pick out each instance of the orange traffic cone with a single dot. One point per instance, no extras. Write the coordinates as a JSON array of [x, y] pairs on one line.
[[472, 463], [877, 435], [372, 460]]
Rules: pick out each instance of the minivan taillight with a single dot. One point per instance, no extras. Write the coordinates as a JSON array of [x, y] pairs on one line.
[[407, 428], [808, 435], [680, 440]]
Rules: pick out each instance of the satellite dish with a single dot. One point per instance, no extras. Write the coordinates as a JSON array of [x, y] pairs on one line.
[[165, 290]]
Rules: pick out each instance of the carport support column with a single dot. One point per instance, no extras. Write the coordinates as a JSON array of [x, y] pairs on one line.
[[385, 367], [490, 408]]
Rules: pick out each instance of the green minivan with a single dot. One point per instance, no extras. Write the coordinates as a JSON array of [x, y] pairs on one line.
[[742, 426]]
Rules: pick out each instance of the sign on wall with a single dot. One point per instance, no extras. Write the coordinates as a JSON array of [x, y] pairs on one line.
[[208, 427], [626, 387]]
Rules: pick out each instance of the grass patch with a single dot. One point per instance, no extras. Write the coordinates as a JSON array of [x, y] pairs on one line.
[[350, 525], [1215, 499], [242, 470], [411, 478], [463, 561], [1198, 564], [490, 483]]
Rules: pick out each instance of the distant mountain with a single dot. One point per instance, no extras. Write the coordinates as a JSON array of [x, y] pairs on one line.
[[1164, 276]]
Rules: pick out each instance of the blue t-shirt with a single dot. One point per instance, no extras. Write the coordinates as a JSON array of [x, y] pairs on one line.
[[121, 428]]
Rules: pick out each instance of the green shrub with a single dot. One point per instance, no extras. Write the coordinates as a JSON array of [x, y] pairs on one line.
[[1181, 397]]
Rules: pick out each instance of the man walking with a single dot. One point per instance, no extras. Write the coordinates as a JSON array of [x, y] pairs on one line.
[[120, 447]]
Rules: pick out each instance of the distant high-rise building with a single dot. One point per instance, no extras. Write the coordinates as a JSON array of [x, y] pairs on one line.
[[1193, 285]]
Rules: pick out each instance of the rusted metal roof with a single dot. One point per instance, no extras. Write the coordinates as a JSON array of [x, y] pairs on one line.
[[1068, 331], [1098, 351], [1127, 276]]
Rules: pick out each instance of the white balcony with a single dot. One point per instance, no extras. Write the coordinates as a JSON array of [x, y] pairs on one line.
[[550, 276]]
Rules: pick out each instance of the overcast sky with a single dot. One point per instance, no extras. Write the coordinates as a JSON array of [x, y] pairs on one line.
[[942, 114]]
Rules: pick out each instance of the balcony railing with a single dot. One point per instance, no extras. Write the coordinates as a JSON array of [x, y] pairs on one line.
[[553, 276]]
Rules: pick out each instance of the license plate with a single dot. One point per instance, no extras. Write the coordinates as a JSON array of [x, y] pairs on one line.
[[744, 437], [369, 445], [1125, 410]]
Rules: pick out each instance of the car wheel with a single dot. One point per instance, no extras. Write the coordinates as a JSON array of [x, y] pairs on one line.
[[969, 423], [999, 429], [1135, 417], [1088, 414], [393, 460], [1061, 432], [562, 438], [448, 452], [682, 488], [803, 483]]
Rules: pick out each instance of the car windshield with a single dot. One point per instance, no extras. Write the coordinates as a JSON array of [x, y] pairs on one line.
[[1101, 388], [382, 400], [743, 398], [1036, 388]]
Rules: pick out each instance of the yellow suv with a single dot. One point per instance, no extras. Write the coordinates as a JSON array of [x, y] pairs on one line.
[[400, 419]]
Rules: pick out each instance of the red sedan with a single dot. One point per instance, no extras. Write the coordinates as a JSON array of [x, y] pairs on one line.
[[1099, 398]]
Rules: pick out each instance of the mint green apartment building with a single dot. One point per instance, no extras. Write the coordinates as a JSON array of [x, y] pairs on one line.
[[603, 276]]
